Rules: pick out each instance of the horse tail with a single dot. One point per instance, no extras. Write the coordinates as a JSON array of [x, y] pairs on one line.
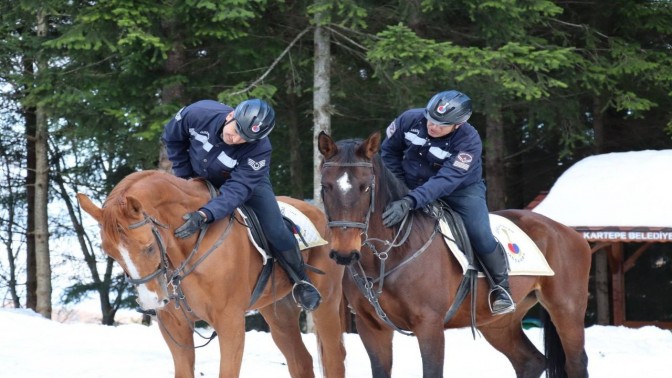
[[555, 355]]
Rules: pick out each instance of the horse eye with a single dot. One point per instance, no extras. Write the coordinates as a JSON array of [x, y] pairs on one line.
[[149, 249]]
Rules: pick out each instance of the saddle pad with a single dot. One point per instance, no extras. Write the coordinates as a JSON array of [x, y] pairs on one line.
[[305, 225], [524, 256]]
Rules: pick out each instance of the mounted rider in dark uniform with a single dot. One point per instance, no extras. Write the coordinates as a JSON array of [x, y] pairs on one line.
[[438, 155], [231, 149]]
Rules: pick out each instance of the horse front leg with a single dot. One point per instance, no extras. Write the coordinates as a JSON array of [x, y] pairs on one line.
[[377, 339], [329, 329], [178, 334], [283, 319], [230, 327], [431, 341]]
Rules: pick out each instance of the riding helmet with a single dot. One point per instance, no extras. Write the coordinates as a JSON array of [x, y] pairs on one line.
[[254, 119], [448, 108]]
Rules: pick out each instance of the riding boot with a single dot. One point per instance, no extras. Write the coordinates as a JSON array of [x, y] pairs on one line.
[[500, 294], [304, 293]]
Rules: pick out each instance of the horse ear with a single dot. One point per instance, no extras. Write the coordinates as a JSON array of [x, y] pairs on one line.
[[326, 145], [87, 205], [371, 145], [133, 206]]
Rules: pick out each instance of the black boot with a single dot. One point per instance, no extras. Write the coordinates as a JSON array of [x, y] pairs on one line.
[[500, 294], [304, 293]]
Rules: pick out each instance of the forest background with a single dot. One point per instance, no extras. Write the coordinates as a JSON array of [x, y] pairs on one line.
[[86, 87]]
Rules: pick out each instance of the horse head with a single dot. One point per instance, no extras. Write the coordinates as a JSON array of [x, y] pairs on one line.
[[136, 230], [348, 192]]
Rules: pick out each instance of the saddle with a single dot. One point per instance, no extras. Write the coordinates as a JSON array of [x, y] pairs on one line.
[[258, 238]]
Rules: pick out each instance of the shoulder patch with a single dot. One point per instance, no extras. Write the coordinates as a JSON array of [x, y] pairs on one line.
[[256, 165], [463, 160]]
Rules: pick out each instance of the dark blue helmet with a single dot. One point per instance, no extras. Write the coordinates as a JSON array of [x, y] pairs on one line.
[[448, 108], [254, 119]]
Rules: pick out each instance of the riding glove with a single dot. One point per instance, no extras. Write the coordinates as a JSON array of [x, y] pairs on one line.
[[397, 211], [194, 222]]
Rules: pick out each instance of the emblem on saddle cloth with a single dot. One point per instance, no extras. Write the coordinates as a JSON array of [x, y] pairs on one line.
[[308, 233], [524, 256]]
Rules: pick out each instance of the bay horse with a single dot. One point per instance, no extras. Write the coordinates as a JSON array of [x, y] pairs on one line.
[[212, 279], [409, 286]]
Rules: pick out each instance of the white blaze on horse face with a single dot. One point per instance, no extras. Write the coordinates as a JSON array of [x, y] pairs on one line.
[[344, 183], [147, 299]]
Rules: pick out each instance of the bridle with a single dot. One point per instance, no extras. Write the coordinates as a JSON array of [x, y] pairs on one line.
[[177, 275], [186, 267], [358, 274]]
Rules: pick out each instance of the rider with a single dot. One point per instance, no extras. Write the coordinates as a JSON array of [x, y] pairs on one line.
[[231, 149], [438, 155]]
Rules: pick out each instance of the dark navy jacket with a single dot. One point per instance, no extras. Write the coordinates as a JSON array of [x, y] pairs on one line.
[[195, 147], [431, 167]]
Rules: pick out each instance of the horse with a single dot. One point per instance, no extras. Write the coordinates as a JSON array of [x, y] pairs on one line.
[[407, 285], [212, 277]]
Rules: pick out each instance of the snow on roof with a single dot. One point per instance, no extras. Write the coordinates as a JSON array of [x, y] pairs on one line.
[[621, 189]]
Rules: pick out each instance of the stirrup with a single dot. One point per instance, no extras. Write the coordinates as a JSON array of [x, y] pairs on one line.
[[504, 310], [301, 285]]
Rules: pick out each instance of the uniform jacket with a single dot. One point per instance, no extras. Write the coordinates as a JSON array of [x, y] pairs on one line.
[[196, 149], [431, 167]]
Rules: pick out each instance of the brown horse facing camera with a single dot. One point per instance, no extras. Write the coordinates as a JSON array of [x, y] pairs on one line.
[[216, 282], [409, 286]]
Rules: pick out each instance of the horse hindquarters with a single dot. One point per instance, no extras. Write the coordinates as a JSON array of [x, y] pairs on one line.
[[565, 294]]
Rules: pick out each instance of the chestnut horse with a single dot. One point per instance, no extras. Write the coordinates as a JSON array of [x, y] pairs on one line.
[[212, 279], [409, 286]]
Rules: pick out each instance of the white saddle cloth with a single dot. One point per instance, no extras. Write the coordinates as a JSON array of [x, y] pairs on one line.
[[524, 256], [306, 228]]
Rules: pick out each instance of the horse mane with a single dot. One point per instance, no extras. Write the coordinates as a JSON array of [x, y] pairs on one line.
[[114, 207]]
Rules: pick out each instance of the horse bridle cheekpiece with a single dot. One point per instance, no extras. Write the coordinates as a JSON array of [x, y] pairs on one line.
[[163, 266]]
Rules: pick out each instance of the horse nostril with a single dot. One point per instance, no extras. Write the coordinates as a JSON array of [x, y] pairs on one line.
[[355, 255], [333, 255]]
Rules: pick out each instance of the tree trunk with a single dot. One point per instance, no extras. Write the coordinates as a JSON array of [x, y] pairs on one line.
[[174, 92], [495, 171], [7, 235], [31, 136], [294, 140], [321, 99], [42, 258]]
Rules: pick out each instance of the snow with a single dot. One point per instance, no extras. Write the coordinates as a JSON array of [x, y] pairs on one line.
[[34, 347], [620, 189]]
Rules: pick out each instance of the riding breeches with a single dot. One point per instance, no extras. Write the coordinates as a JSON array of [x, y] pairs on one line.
[[472, 206], [265, 205]]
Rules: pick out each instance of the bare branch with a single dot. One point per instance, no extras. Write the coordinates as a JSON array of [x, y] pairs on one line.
[[275, 62]]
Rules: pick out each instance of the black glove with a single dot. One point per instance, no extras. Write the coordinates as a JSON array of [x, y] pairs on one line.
[[396, 211], [194, 222]]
